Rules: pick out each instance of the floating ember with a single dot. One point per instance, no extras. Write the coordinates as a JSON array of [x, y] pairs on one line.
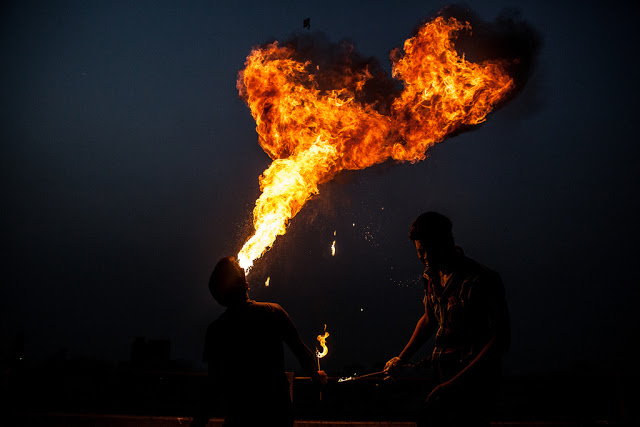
[[314, 121]]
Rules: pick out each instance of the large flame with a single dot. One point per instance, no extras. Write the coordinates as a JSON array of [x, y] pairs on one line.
[[311, 134]]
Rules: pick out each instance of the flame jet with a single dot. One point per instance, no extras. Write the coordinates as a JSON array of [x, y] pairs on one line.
[[312, 132]]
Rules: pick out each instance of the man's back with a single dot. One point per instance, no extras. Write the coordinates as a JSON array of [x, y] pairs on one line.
[[243, 348], [244, 351]]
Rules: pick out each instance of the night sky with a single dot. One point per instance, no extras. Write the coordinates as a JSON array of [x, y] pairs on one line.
[[130, 166]]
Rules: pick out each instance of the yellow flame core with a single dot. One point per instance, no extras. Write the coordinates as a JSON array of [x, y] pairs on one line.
[[286, 185], [312, 134]]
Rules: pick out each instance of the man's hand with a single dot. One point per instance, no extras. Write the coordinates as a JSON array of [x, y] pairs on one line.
[[393, 366], [320, 378]]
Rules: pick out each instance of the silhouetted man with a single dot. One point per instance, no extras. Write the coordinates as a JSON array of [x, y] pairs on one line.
[[244, 353], [466, 308]]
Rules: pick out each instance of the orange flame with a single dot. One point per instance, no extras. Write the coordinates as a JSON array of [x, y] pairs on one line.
[[311, 134], [322, 339]]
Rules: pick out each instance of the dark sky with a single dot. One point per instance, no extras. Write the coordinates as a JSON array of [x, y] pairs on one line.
[[130, 166]]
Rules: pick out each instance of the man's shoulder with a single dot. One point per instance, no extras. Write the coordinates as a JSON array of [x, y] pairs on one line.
[[249, 308], [249, 312], [478, 276], [266, 306], [264, 311], [474, 269], [481, 281]]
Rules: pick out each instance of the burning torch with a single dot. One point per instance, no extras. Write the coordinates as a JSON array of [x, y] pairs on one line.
[[322, 339]]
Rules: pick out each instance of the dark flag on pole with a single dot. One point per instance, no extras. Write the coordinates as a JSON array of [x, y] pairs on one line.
[[307, 23]]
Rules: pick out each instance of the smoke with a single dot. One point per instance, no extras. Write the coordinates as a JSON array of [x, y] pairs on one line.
[[330, 62], [509, 38], [322, 107]]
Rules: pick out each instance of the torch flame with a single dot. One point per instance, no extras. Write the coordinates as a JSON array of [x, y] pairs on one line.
[[333, 246], [312, 134], [322, 339]]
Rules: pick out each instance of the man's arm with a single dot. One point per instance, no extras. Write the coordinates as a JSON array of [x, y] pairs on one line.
[[496, 310], [423, 331], [305, 357], [488, 352]]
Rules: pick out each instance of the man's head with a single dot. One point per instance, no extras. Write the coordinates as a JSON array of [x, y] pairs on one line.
[[228, 283], [431, 233]]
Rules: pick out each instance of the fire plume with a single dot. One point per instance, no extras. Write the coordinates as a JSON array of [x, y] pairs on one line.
[[312, 132]]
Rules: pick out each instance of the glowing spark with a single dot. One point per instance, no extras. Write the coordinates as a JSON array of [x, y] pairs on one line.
[[267, 282]]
